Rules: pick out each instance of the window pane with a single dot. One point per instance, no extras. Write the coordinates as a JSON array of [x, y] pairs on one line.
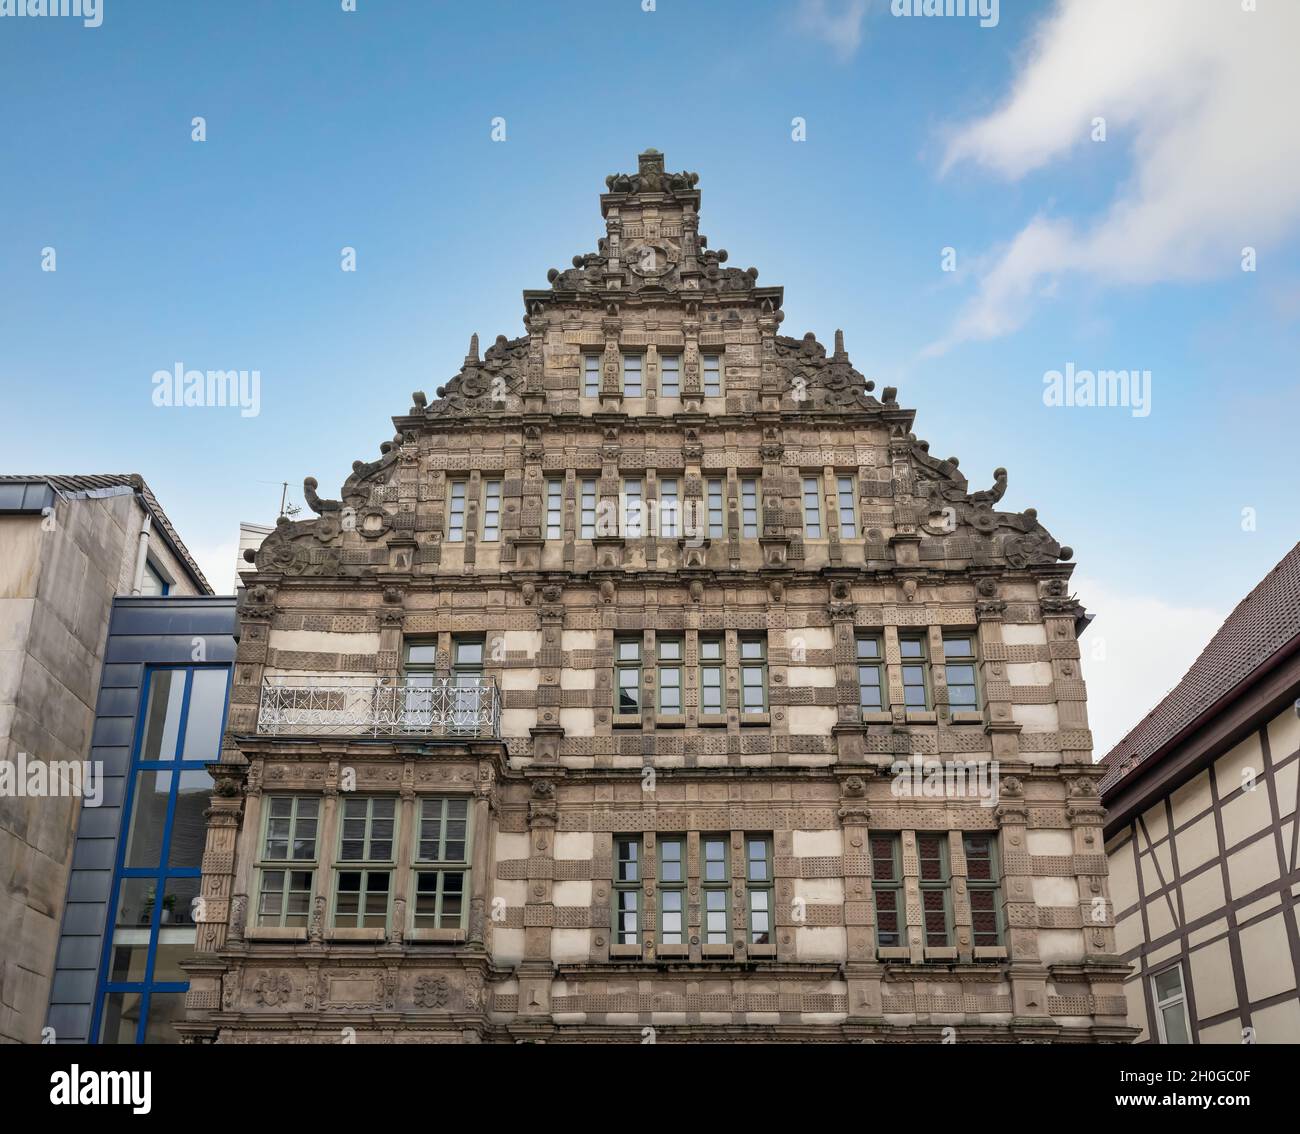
[[189, 827], [868, 648], [1175, 1024], [163, 716], [910, 648], [206, 711], [120, 1017], [1169, 983], [148, 818]]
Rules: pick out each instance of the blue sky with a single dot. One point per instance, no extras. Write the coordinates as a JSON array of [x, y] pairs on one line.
[[372, 129]]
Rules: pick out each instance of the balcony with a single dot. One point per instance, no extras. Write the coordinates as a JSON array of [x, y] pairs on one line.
[[380, 706]]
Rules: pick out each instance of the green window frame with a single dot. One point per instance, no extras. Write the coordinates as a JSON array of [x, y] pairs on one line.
[[871, 674], [627, 889], [669, 507], [713, 677], [982, 885], [812, 507], [670, 375], [555, 508], [457, 492], [627, 676], [753, 675], [363, 872], [936, 889], [633, 524], [848, 511], [915, 669], [441, 895], [671, 653], [715, 881], [887, 891], [491, 511], [591, 375], [759, 886], [672, 890], [961, 672], [717, 509], [588, 517], [711, 365], [286, 869], [749, 511], [632, 385]]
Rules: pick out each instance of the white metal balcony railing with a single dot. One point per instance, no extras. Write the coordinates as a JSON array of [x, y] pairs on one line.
[[379, 706]]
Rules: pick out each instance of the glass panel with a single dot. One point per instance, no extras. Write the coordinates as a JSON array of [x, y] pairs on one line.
[[206, 712], [421, 654], [1175, 1024], [670, 852], [189, 827], [711, 650], [868, 648], [148, 818], [751, 649], [166, 1010], [1169, 983], [130, 952], [121, 1017], [174, 946], [628, 853], [162, 720], [910, 648], [134, 902], [715, 860]]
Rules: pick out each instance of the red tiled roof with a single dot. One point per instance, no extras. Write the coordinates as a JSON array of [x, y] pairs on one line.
[[1263, 622], [89, 482]]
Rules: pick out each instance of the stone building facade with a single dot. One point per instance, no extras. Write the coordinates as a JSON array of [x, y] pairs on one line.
[[575, 716]]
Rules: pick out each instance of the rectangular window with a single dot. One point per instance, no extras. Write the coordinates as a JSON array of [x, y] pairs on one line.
[[284, 894], [456, 512], [887, 891], [712, 364], [591, 375], [632, 376], [588, 517], [367, 836], [627, 676], [670, 676], [716, 883], [959, 671], [749, 508], [627, 890], [848, 516], [632, 525], [916, 685], [668, 508], [554, 509], [753, 675], [982, 886], [672, 890], [712, 676], [670, 375], [812, 507], [870, 669], [491, 510], [717, 510], [758, 876], [932, 860], [442, 838], [1171, 1006]]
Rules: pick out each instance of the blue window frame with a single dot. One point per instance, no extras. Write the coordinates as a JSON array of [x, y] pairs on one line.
[[151, 927]]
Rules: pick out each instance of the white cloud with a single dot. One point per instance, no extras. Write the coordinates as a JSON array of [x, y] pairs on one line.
[[838, 23], [1199, 93], [1136, 649]]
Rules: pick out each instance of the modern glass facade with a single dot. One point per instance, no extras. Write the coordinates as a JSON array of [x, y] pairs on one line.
[[151, 914]]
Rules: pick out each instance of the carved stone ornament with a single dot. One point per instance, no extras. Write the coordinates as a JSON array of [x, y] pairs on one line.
[[432, 992]]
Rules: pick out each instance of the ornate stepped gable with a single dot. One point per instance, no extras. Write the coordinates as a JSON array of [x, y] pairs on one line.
[[533, 432], [657, 271]]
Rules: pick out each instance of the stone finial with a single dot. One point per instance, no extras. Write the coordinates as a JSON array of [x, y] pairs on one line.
[[472, 359], [839, 344]]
